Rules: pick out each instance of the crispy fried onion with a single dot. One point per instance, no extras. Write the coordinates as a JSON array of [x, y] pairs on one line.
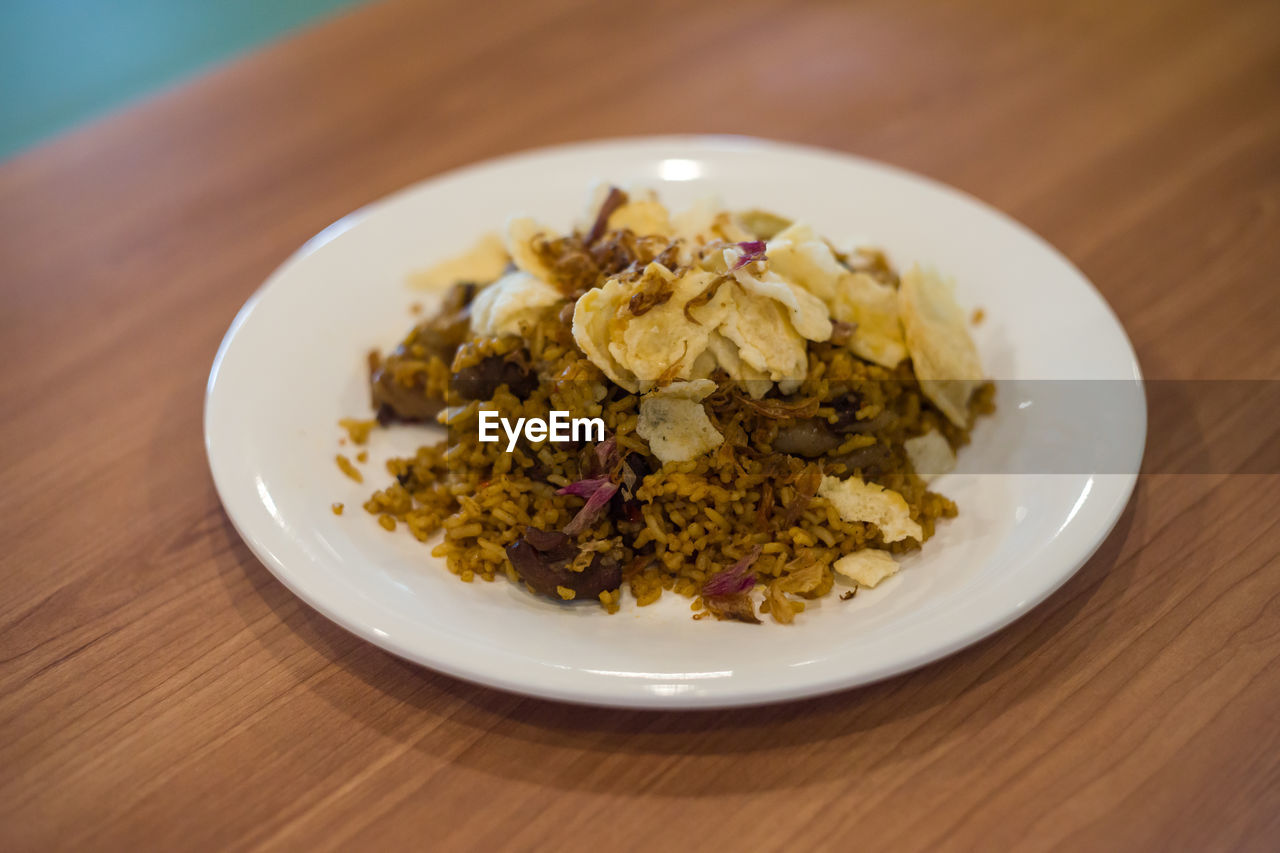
[[669, 375], [576, 266], [778, 409], [804, 575], [704, 297], [614, 200], [806, 486], [727, 593], [654, 290]]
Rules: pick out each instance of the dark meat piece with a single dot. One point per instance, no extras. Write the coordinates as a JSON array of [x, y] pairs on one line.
[[552, 544], [480, 381], [546, 568], [398, 382], [809, 438], [870, 460], [398, 389]]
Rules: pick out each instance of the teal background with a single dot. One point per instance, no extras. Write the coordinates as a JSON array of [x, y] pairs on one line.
[[65, 61]]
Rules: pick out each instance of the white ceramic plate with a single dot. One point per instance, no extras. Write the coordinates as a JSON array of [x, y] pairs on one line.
[[292, 364]]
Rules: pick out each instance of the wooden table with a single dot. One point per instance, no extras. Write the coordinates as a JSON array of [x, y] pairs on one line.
[[158, 687]]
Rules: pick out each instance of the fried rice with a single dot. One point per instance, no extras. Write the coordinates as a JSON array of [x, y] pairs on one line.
[[751, 527]]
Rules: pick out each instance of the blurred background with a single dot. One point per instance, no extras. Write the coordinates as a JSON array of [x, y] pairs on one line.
[[65, 61]]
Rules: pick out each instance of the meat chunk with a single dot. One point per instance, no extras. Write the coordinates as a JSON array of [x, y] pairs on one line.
[[481, 381], [398, 383], [810, 438], [871, 461], [546, 566]]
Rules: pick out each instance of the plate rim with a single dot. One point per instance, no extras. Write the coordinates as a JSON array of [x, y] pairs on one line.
[[639, 698]]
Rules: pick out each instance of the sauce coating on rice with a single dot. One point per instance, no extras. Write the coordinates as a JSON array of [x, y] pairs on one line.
[[764, 421]]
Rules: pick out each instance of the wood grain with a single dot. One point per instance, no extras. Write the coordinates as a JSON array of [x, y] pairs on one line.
[[159, 689]]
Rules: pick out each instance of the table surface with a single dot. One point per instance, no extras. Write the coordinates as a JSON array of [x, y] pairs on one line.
[[70, 67], [159, 688]]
